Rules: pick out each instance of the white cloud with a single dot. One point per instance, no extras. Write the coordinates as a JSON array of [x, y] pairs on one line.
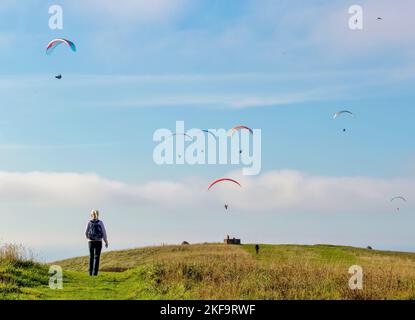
[[202, 90], [293, 190], [50, 189], [284, 190], [229, 100], [131, 10], [46, 209]]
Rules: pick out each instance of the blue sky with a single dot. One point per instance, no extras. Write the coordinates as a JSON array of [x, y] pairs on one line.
[[280, 66]]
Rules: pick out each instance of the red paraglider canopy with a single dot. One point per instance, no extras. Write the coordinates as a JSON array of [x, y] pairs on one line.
[[240, 128], [223, 179]]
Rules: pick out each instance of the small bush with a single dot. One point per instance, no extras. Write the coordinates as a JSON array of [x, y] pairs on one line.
[[18, 270]]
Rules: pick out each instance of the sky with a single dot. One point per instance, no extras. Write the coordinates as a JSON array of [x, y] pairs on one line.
[[283, 67]]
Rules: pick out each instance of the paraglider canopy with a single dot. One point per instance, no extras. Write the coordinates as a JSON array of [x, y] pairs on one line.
[[237, 128], [56, 42], [339, 113], [398, 198], [181, 134], [209, 132], [222, 180]]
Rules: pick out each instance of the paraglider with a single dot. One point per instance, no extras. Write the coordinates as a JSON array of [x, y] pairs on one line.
[[208, 132], [56, 42], [398, 198], [180, 134], [238, 128], [341, 113], [226, 206]]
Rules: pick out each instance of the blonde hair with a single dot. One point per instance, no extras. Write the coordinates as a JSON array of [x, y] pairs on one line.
[[95, 214]]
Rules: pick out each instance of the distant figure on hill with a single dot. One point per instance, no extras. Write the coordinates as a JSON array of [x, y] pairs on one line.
[[257, 248], [95, 232]]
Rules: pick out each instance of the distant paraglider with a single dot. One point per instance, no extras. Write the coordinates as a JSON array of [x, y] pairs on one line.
[[226, 206], [208, 132], [238, 128], [180, 134], [398, 198], [56, 42], [341, 113]]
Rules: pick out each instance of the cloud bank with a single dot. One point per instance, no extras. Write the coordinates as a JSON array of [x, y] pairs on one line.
[[275, 191]]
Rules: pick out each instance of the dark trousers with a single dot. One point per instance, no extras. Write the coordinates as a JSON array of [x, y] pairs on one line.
[[95, 248]]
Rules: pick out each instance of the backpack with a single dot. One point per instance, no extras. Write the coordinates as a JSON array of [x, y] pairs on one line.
[[95, 231]]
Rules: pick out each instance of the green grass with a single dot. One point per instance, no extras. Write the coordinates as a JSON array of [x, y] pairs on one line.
[[18, 280], [217, 271]]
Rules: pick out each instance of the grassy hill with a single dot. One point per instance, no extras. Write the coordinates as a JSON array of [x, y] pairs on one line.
[[217, 271]]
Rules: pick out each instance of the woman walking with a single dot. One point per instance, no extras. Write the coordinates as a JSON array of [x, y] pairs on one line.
[[95, 232]]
